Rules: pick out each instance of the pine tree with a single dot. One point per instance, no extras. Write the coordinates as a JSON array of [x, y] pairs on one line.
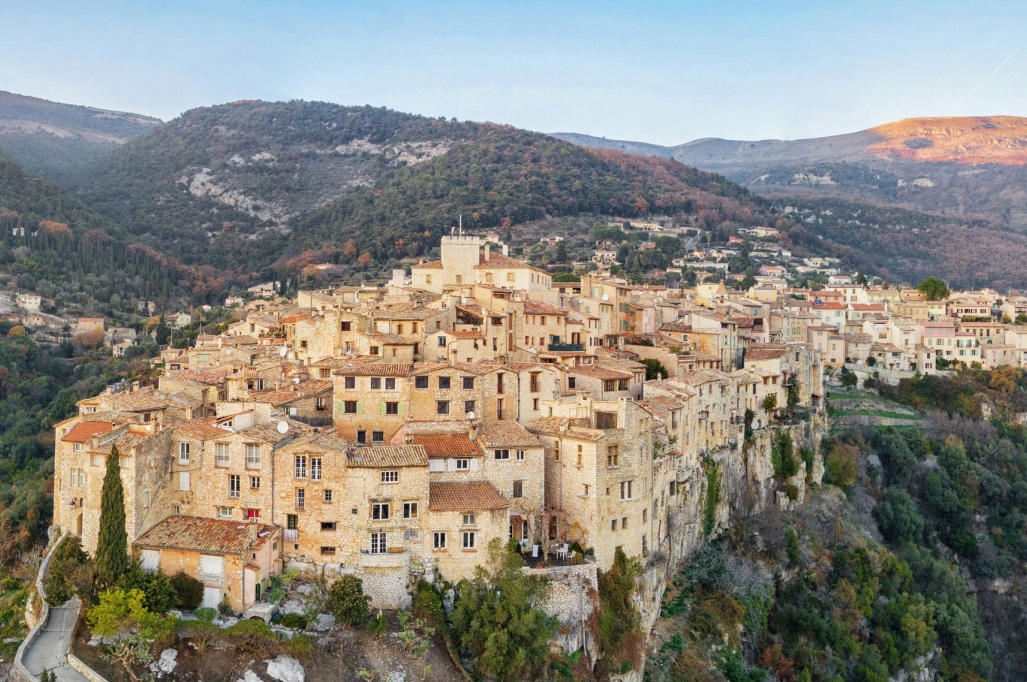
[[112, 543]]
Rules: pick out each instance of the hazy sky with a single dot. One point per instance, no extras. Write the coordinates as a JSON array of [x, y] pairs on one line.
[[664, 72]]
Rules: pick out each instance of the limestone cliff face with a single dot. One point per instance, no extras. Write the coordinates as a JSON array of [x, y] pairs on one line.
[[747, 487]]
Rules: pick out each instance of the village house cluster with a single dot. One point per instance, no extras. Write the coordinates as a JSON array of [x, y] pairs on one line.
[[394, 432]]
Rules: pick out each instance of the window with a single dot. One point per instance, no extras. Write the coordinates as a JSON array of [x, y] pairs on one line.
[[468, 539], [362, 437], [350, 382], [609, 384], [442, 343], [442, 406], [436, 465], [584, 489], [320, 405], [468, 519], [379, 543], [183, 453], [328, 497], [409, 510], [390, 477], [301, 497], [315, 468], [373, 350], [438, 540], [463, 465], [327, 526], [377, 436], [606, 420], [183, 480], [673, 488], [376, 383], [292, 522], [254, 482], [518, 488], [645, 515], [613, 456], [468, 383], [78, 447], [443, 382], [349, 407], [499, 382], [572, 382], [533, 382], [468, 406], [252, 514], [380, 511], [613, 524], [221, 454], [300, 468], [328, 551], [624, 523], [622, 384], [234, 484], [502, 454], [391, 408], [625, 490], [420, 382], [520, 455], [146, 498], [252, 456], [224, 512], [390, 384], [96, 460], [212, 565]]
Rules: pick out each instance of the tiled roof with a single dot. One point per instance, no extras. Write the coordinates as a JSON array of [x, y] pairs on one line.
[[86, 431], [200, 429], [465, 496], [385, 456], [542, 308], [598, 372], [465, 335], [765, 353], [376, 369], [507, 433], [204, 535], [210, 378], [442, 445], [293, 392], [568, 428], [393, 339]]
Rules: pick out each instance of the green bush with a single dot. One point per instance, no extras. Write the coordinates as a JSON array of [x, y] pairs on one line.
[[206, 614], [57, 589], [712, 497], [159, 593], [253, 637], [224, 607], [427, 604], [347, 601], [792, 545], [189, 591], [898, 517], [299, 647], [378, 625], [294, 621], [10, 584], [782, 456]]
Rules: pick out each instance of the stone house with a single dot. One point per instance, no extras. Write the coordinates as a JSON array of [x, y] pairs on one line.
[[372, 400], [231, 559]]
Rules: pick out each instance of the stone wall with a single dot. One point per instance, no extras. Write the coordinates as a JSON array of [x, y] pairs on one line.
[[573, 597]]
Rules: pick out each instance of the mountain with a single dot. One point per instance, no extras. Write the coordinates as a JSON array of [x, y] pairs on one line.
[[57, 140], [969, 166], [240, 185]]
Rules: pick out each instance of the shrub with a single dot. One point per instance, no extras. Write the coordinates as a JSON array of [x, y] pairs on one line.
[[253, 637], [57, 589], [225, 608], [9, 584], [347, 601], [159, 594], [712, 497], [619, 620], [206, 614], [840, 465], [427, 603], [299, 647], [898, 517], [189, 591], [782, 456], [378, 625], [294, 621], [203, 634], [792, 545]]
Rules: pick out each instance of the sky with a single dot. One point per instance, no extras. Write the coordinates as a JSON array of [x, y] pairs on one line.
[[661, 72]]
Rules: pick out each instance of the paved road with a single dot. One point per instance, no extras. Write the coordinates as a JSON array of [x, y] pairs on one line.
[[50, 649]]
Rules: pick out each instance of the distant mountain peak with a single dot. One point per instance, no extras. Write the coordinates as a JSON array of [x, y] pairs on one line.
[[956, 139]]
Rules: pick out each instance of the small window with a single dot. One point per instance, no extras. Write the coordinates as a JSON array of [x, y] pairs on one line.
[[518, 489], [390, 384], [345, 326], [328, 551], [373, 350], [328, 497], [409, 510], [468, 519], [300, 468], [234, 485], [377, 436], [572, 382], [468, 383], [380, 511], [442, 406], [183, 453], [379, 543], [350, 382], [468, 406], [221, 454], [254, 482], [301, 497], [224, 512], [183, 480], [463, 465], [391, 408], [443, 382], [390, 477], [502, 454], [376, 383], [349, 407], [442, 342], [252, 456], [420, 382], [292, 522], [468, 539], [78, 447], [520, 455], [327, 526], [438, 540], [315, 468], [362, 437]]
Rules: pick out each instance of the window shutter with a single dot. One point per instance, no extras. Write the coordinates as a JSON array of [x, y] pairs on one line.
[[474, 464], [360, 406], [381, 408], [400, 406], [183, 480], [450, 465]]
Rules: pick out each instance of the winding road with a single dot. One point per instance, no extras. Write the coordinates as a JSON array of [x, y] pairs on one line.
[[49, 651]]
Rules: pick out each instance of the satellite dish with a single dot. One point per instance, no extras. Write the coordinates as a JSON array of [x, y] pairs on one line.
[[283, 351], [228, 351], [283, 427], [470, 415], [755, 424], [606, 297]]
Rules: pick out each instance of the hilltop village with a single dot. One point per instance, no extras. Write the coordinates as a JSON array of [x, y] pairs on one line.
[[395, 432]]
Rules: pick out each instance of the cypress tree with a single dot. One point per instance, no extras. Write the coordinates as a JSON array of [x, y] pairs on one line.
[[112, 543]]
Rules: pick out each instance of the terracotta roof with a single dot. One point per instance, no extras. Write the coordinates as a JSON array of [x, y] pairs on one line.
[[86, 431], [205, 535], [598, 372], [393, 339], [542, 308], [200, 429], [568, 428], [465, 496], [442, 445], [507, 433], [385, 456], [465, 335], [376, 369], [758, 353], [292, 392], [210, 378]]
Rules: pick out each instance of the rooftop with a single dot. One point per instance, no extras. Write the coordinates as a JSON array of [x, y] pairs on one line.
[[205, 535]]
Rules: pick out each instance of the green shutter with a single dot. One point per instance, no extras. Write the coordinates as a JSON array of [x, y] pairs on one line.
[[360, 406], [381, 408], [401, 408], [342, 407]]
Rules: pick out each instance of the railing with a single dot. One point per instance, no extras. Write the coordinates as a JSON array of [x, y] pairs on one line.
[[291, 535], [316, 422], [569, 347]]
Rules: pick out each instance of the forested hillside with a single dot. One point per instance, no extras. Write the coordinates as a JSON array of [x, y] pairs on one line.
[[243, 184]]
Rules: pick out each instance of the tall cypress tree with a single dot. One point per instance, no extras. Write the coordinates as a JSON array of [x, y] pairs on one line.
[[112, 543]]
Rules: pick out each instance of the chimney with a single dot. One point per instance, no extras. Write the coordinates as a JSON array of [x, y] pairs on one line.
[[251, 532], [488, 251], [472, 432]]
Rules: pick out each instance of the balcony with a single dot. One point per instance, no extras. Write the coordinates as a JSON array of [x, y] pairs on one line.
[[566, 347], [291, 535], [396, 557]]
